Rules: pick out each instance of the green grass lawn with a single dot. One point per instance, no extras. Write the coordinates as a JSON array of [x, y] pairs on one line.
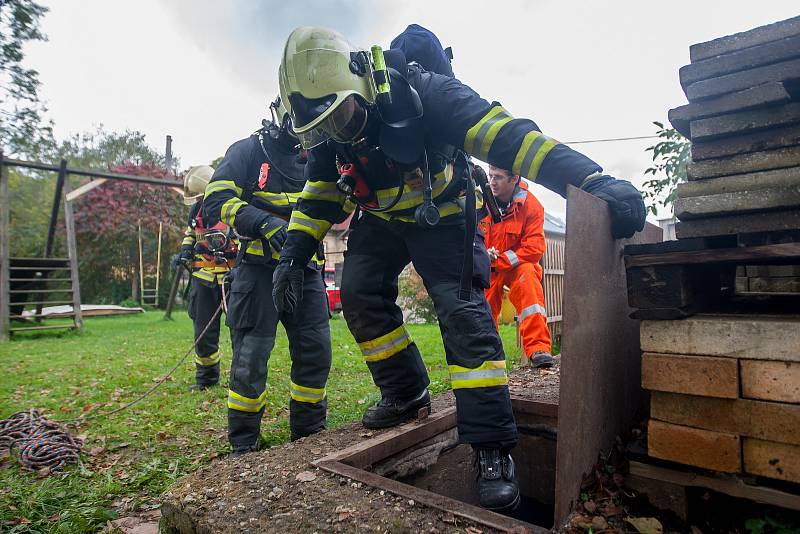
[[132, 457]]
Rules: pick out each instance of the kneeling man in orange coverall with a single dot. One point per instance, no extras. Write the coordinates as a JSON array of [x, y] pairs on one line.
[[515, 246]]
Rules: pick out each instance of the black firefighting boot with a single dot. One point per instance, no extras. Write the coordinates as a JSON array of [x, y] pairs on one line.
[[497, 480], [206, 376], [391, 411]]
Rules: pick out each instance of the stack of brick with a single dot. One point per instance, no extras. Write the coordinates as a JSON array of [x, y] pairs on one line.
[[720, 327], [743, 119], [725, 393]]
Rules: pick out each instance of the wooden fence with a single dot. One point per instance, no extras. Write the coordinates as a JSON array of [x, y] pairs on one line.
[[553, 264]]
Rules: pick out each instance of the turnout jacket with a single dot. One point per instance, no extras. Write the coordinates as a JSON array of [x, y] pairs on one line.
[[258, 178], [453, 115], [205, 266]]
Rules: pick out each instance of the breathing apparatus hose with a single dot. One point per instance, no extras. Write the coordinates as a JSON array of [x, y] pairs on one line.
[[470, 222]]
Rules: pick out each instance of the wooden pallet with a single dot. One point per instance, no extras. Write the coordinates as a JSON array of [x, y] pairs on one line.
[[665, 486], [681, 278]]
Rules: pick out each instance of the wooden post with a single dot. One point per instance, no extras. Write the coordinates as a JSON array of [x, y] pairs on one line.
[[158, 262], [141, 267], [57, 199], [168, 155], [72, 253], [173, 292], [5, 261]]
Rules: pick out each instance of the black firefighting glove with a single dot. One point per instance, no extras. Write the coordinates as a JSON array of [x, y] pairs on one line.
[[624, 201], [274, 231], [287, 286], [183, 258]]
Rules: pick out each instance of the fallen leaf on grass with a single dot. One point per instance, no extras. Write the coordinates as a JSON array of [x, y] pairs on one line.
[[305, 476], [590, 506], [343, 512], [612, 510], [94, 451], [473, 530], [43, 472], [646, 525], [119, 446], [162, 435], [361, 401], [599, 523]]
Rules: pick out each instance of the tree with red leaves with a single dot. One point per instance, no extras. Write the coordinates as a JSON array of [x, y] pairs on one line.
[[106, 225]]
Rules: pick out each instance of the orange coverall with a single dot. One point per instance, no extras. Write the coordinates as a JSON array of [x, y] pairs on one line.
[[519, 240]]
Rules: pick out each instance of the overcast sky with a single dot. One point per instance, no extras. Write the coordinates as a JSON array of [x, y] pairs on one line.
[[203, 71]]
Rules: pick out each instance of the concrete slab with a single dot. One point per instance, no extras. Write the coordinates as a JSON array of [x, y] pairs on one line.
[[748, 58], [754, 97], [739, 224], [729, 83], [741, 40], [743, 122], [740, 182], [732, 336], [744, 163], [738, 202], [601, 361], [754, 142], [773, 270]]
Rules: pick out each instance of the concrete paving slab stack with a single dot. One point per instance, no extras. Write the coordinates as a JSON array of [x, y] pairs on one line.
[[720, 330]]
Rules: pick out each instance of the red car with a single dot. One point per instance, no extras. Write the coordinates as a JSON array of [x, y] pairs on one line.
[[334, 296]]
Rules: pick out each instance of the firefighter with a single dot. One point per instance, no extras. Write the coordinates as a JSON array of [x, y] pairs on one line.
[[516, 245], [208, 251], [385, 134], [253, 190]]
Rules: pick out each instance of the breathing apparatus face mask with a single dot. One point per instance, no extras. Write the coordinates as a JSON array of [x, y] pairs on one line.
[[217, 241], [344, 124]]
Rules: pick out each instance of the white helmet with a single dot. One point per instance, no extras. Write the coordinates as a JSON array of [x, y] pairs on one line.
[[194, 183]]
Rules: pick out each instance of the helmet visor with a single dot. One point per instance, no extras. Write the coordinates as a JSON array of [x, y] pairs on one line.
[[343, 124], [306, 110]]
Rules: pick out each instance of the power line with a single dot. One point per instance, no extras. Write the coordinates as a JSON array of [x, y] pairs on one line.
[[610, 139]]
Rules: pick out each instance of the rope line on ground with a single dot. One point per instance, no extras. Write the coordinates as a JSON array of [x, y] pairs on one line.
[[157, 384], [41, 443]]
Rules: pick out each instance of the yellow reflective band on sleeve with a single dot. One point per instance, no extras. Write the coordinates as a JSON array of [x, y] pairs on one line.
[[246, 404], [322, 191], [275, 199], [188, 240], [316, 228], [488, 374], [256, 248], [385, 346], [207, 361], [229, 209], [306, 394], [222, 185], [479, 138], [530, 156]]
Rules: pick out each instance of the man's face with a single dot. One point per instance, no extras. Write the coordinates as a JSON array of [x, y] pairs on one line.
[[502, 183]]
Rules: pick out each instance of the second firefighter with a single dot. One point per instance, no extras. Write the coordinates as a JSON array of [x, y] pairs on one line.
[[253, 190]]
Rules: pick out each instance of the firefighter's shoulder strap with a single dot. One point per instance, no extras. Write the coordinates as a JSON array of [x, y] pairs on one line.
[[470, 222]]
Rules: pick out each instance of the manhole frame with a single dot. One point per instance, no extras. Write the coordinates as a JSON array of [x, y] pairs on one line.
[[354, 461]]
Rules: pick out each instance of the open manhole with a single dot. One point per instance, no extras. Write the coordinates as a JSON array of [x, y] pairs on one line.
[[423, 461]]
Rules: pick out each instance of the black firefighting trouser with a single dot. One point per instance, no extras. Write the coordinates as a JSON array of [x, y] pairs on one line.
[[204, 299], [377, 251], [253, 320]]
